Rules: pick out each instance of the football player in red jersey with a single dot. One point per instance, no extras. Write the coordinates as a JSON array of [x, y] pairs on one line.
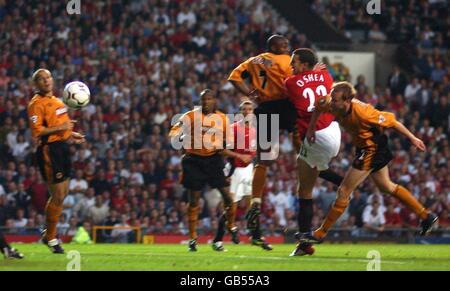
[[304, 88], [244, 133]]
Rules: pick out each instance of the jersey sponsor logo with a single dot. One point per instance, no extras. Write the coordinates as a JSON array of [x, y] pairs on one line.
[[61, 111], [34, 118], [381, 119]]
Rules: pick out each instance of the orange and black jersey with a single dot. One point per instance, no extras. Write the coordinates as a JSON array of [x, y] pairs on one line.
[[204, 135], [45, 111], [267, 73], [365, 123]]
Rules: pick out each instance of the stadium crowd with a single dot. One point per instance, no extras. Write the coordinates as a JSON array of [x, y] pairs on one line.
[[146, 61]]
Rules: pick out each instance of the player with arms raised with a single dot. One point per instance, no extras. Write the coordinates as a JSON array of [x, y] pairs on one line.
[[267, 73]]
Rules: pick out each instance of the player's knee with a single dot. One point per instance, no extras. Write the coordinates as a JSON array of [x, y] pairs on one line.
[[58, 200], [388, 187]]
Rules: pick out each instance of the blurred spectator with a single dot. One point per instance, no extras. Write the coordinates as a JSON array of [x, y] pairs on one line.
[[392, 218], [326, 197], [63, 225], [397, 81], [20, 220], [98, 212], [68, 204], [78, 186], [374, 220], [376, 35], [444, 219], [39, 194], [356, 207], [121, 235], [82, 207], [411, 90]]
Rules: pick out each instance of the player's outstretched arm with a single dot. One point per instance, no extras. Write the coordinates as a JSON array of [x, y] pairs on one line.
[[417, 142], [243, 157]]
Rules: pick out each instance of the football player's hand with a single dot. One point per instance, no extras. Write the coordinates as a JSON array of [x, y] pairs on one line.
[[245, 158], [418, 143], [78, 138], [320, 67], [255, 95], [77, 135], [68, 125], [311, 135]]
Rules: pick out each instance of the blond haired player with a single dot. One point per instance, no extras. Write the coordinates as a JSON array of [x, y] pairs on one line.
[[366, 125]]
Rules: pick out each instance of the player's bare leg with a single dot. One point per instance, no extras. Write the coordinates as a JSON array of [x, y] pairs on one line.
[[53, 210], [307, 177], [384, 183], [352, 179], [230, 210], [193, 208]]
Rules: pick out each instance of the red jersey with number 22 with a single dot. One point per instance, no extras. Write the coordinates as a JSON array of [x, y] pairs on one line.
[[304, 90]]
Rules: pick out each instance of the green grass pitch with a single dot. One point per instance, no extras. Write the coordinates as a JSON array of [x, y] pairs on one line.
[[236, 258]]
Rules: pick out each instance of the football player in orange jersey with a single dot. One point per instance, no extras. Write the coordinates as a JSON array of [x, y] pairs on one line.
[[51, 125], [366, 125], [206, 135]]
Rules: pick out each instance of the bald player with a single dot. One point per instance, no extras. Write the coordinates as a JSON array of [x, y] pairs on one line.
[[51, 125]]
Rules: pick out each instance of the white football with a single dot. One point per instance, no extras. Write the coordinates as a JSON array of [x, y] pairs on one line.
[[76, 95]]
